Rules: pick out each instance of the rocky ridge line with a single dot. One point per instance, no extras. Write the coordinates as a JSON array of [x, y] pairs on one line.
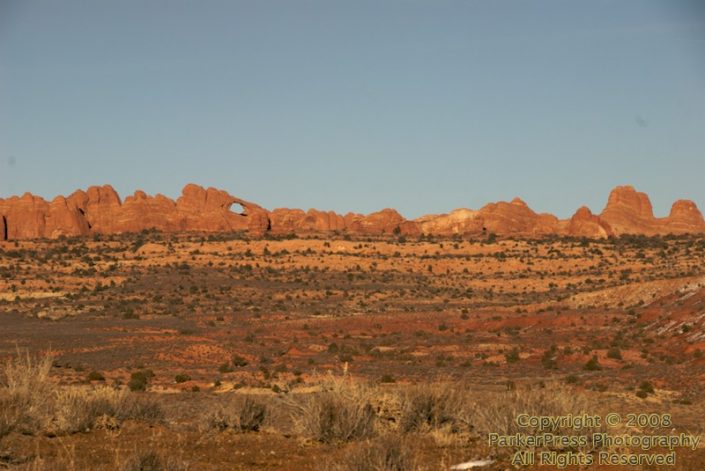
[[99, 210]]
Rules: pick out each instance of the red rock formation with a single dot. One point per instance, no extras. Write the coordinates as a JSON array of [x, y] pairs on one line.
[[100, 210], [459, 221], [64, 219], [296, 221], [24, 216], [685, 217], [209, 210], [516, 218], [141, 211], [585, 224], [386, 221], [513, 218], [100, 206], [410, 228], [323, 221], [287, 221], [629, 212]]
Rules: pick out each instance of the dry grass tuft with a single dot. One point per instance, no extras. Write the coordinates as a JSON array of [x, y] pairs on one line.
[[25, 390], [151, 461], [436, 406], [136, 460], [499, 411], [242, 415], [341, 412], [388, 453], [79, 409], [30, 403]]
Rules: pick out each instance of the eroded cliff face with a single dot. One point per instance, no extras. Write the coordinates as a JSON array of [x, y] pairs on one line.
[[99, 210], [24, 217], [585, 224], [629, 212], [291, 221], [685, 217], [502, 218]]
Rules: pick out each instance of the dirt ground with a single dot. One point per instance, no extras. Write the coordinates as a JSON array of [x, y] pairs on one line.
[[217, 315]]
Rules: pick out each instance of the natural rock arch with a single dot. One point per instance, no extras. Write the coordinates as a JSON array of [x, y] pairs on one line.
[[237, 208]]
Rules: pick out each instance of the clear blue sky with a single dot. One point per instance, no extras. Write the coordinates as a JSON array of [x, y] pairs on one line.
[[423, 106]]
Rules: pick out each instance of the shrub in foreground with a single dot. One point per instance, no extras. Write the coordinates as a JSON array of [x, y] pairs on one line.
[[389, 453], [139, 380], [498, 412], [245, 415], [30, 403], [433, 406], [151, 461], [341, 412]]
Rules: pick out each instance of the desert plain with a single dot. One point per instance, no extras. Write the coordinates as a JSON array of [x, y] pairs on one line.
[[158, 350]]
